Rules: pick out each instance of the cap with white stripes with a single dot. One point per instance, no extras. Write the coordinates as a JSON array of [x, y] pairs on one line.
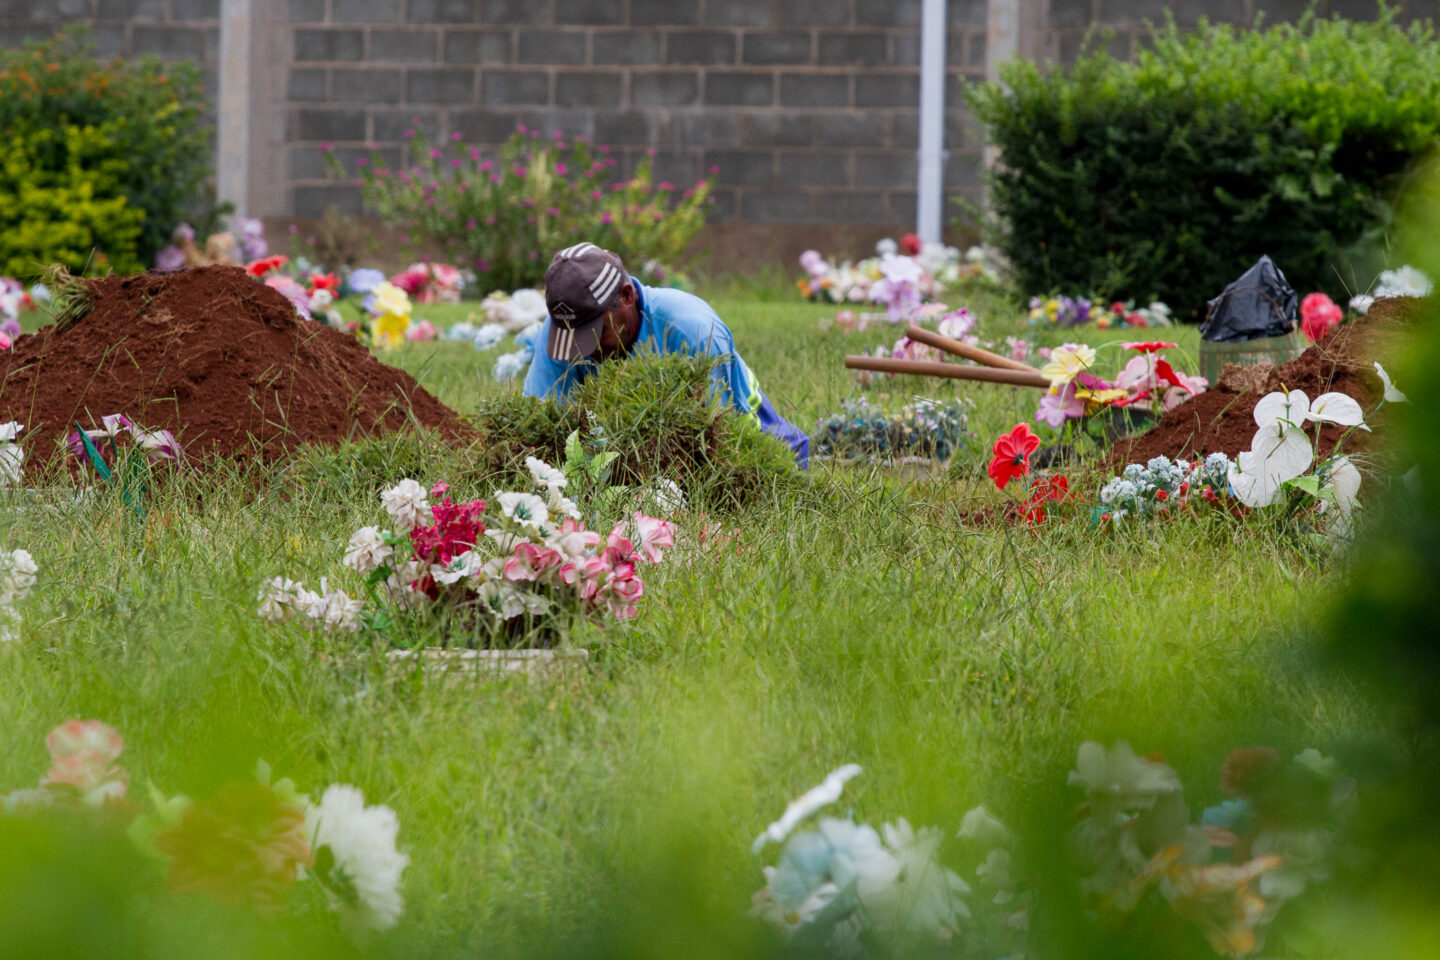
[[581, 285]]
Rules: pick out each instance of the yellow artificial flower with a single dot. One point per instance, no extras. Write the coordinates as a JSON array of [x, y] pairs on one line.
[[389, 329], [1066, 363], [390, 300], [1095, 399]]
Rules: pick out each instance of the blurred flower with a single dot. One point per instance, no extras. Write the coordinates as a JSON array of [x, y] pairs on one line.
[[1126, 781], [1319, 315], [545, 476], [1391, 394], [258, 268], [807, 805], [82, 757], [244, 847], [421, 331], [357, 845]]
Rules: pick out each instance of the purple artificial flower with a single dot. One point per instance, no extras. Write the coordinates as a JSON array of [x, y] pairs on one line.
[[1056, 408], [160, 445], [169, 259], [251, 234], [184, 233]]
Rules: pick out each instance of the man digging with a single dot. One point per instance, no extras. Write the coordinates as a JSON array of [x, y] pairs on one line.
[[600, 313]]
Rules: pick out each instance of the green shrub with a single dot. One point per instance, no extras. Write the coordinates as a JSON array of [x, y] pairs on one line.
[[1167, 177], [505, 214], [657, 415], [100, 161]]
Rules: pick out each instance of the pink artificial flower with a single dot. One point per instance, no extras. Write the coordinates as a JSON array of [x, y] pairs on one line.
[[652, 534], [573, 539], [1056, 408], [586, 575], [420, 331], [159, 445], [1319, 315], [82, 756], [530, 561]]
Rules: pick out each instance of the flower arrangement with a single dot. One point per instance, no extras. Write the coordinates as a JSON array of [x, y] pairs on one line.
[[534, 559], [519, 313], [17, 579], [254, 844], [905, 269], [431, 282], [1280, 466], [1164, 487], [1139, 860], [1075, 390], [1065, 311], [116, 435], [924, 428]]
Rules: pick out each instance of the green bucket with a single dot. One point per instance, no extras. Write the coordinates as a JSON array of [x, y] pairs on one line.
[[1277, 350]]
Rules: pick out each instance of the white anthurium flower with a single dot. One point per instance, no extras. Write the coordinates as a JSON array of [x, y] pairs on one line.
[[923, 896], [10, 431], [806, 805], [1345, 482], [1277, 455], [1391, 394], [1120, 775], [1337, 408], [546, 477], [1282, 408], [525, 509]]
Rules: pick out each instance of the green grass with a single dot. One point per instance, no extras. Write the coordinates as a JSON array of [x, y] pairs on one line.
[[610, 813]]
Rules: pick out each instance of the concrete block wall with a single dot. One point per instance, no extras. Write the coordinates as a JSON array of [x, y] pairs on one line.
[[808, 108]]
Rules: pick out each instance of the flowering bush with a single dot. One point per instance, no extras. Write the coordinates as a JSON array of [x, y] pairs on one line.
[[925, 428], [250, 845], [504, 214], [1073, 312], [532, 559], [898, 273]]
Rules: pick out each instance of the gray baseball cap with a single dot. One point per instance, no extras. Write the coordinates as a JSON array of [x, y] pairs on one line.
[[582, 284]]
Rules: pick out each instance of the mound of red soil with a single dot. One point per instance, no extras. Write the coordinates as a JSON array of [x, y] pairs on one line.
[[214, 356], [1221, 420]]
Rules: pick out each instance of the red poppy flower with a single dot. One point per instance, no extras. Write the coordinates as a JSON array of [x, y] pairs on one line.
[[1012, 454], [324, 281], [258, 268], [1149, 346], [911, 244]]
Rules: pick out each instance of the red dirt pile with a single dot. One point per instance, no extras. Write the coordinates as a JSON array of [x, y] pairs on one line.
[[1221, 419], [212, 355]]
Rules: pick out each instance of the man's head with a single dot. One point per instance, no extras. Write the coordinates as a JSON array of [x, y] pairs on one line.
[[594, 309]]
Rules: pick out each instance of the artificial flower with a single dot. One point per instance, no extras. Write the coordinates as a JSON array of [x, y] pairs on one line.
[[983, 827], [421, 331], [1319, 315], [159, 445], [1059, 405], [367, 550], [1149, 346], [259, 267], [390, 301], [407, 505], [277, 599], [244, 847], [1391, 394], [324, 281], [545, 476], [1066, 363], [1278, 454], [1012, 454], [525, 509], [82, 757], [1117, 774], [365, 868], [806, 805], [1344, 485]]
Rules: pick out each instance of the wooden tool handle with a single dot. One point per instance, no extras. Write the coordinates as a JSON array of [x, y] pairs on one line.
[[930, 338], [955, 371]]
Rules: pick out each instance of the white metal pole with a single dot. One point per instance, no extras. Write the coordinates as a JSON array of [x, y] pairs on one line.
[[930, 197], [233, 121]]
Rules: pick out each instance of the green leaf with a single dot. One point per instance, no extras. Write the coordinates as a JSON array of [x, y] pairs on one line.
[[1308, 484], [96, 461]]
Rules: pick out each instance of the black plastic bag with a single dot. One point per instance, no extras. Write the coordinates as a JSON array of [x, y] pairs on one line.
[[1260, 304]]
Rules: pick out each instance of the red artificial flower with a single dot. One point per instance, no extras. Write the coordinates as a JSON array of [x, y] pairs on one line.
[[1042, 491], [1117, 308], [1161, 495], [1149, 346], [1166, 374], [1318, 316], [258, 268], [324, 281], [1012, 454], [911, 244], [1136, 320]]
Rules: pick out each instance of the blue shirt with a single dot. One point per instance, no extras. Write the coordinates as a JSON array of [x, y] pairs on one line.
[[671, 321]]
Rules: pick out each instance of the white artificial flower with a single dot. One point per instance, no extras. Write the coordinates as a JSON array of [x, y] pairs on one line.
[[923, 897], [546, 477], [488, 336], [1278, 454], [1391, 394], [367, 551], [525, 309], [463, 567], [12, 455], [10, 431], [1361, 303], [407, 505], [466, 331], [1406, 281], [561, 505], [1282, 408], [806, 805], [505, 540], [1317, 763], [1337, 408], [667, 495], [320, 301], [525, 509], [364, 880], [1345, 483], [309, 604], [507, 601], [1129, 781], [277, 599], [981, 826], [886, 248], [336, 610], [508, 365], [17, 575]]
